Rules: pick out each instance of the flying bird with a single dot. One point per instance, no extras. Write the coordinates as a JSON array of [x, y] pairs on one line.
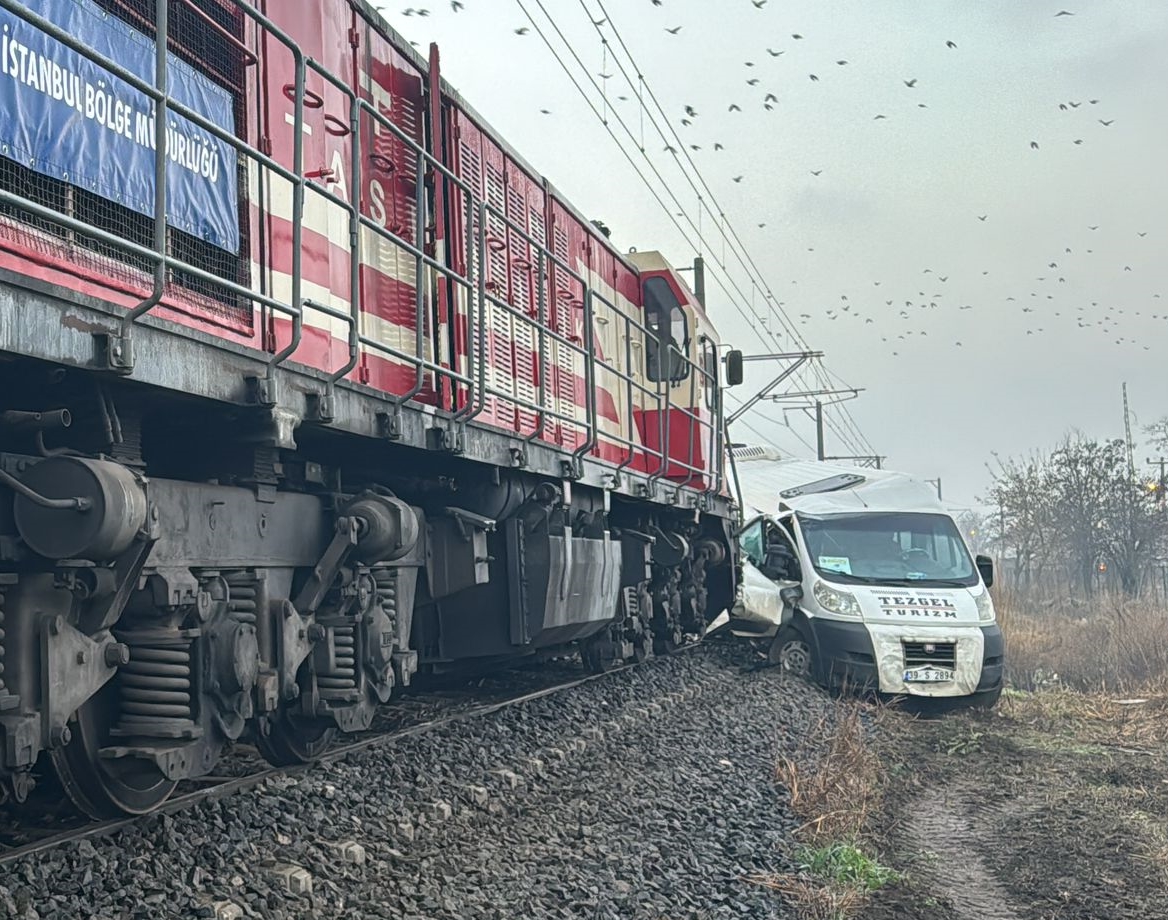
[[878, 117], [771, 97], [456, 5], [814, 79], [775, 53], [674, 31], [1034, 145], [522, 30], [735, 108], [816, 172], [738, 178], [753, 81], [1106, 124], [911, 83], [796, 36], [1063, 13], [691, 111], [950, 44], [982, 217]]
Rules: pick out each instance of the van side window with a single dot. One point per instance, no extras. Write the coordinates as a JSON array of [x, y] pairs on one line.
[[668, 339], [753, 542]]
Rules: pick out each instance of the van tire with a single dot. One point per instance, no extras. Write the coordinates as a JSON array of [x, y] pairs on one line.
[[792, 652]]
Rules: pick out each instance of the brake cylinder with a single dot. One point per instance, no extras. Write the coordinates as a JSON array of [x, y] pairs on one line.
[[102, 529]]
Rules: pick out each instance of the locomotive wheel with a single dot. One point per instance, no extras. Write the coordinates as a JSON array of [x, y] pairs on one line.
[[106, 787], [598, 658], [643, 647], [667, 645], [293, 739]]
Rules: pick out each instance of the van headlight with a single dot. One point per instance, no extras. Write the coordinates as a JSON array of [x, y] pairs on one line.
[[985, 607], [843, 603]]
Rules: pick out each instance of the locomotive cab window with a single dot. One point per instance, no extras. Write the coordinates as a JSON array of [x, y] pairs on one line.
[[668, 339]]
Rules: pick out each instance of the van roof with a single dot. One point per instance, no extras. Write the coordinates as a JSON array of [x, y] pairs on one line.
[[771, 485]]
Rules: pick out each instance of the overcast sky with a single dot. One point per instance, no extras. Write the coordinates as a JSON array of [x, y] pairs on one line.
[[894, 213]]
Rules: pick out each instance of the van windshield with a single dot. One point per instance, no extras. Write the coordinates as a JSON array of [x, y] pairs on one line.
[[888, 548]]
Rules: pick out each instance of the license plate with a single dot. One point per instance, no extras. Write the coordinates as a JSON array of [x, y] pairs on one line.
[[927, 675]]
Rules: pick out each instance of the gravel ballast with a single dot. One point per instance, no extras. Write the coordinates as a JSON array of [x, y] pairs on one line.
[[647, 793]]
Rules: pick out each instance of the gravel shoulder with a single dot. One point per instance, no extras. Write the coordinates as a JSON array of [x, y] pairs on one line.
[[1050, 807], [647, 794]]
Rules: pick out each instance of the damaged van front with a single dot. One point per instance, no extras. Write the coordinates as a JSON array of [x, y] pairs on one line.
[[877, 588]]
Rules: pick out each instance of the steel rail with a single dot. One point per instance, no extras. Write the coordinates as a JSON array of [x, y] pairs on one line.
[[230, 786]]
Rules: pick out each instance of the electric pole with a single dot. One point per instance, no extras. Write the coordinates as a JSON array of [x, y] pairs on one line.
[[819, 451]]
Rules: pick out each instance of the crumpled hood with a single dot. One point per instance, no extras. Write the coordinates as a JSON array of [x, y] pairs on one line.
[[921, 607]]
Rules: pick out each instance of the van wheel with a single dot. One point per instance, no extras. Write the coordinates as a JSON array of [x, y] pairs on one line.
[[792, 652]]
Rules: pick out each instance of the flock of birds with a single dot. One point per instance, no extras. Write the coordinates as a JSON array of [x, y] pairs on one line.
[[925, 311]]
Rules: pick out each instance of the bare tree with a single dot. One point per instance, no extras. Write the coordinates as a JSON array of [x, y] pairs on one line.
[[1079, 511]]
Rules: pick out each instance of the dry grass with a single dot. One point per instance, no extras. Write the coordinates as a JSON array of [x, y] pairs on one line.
[[1113, 645], [812, 898], [1139, 722], [834, 784], [836, 788]]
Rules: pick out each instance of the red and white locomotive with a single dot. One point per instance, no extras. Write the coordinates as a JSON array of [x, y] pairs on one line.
[[337, 389]]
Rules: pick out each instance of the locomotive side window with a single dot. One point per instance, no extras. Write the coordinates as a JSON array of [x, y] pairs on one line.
[[668, 341], [710, 366]]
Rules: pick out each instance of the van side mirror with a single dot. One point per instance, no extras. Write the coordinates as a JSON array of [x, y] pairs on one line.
[[733, 368], [985, 565]]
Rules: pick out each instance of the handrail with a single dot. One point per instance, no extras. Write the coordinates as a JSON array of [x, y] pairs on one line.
[[486, 228]]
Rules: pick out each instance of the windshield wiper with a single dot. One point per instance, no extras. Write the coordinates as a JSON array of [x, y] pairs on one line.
[[926, 583]]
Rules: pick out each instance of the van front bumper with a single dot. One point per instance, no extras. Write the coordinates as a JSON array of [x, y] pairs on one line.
[[844, 654], [993, 658]]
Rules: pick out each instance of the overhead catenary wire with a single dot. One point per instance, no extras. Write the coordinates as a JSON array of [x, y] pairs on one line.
[[849, 433], [755, 318], [745, 259]]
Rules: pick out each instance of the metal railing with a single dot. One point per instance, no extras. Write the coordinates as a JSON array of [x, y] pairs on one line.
[[469, 386]]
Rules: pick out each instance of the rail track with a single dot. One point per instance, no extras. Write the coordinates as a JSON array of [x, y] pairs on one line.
[[218, 787]]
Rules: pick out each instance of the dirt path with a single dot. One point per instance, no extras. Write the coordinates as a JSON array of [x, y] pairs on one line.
[[1052, 807], [947, 831]]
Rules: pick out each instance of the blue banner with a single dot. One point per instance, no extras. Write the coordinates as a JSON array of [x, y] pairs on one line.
[[63, 116]]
